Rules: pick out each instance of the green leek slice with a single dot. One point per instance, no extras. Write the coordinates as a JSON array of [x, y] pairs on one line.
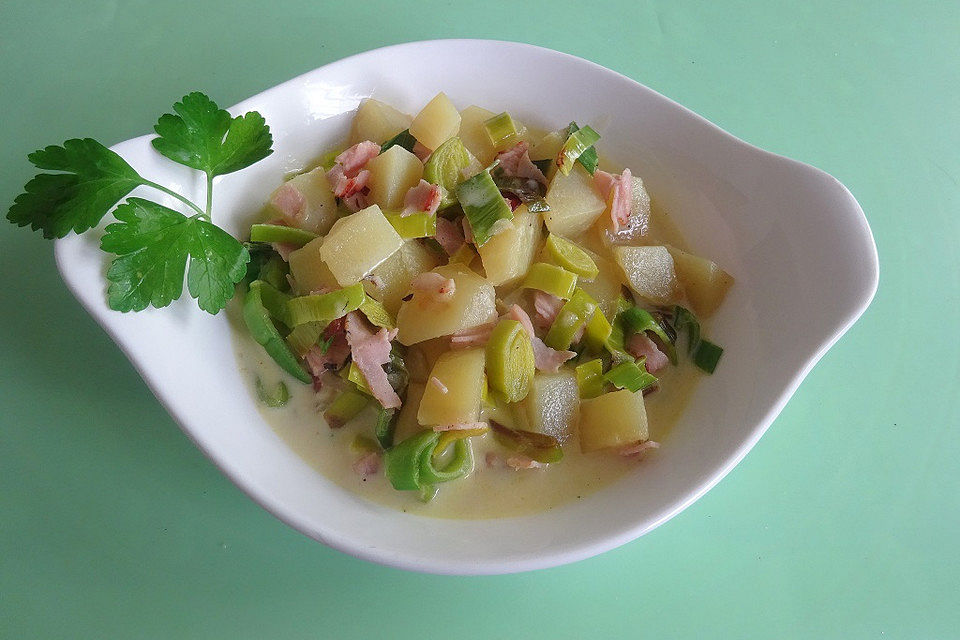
[[443, 168], [345, 408], [483, 205], [280, 233], [403, 139], [415, 225], [509, 360], [573, 316], [590, 378], [571, 257], [578, 143], [630, 375], [551, 279], [536, 446], [325, 307], [261, 327], [500, 129]]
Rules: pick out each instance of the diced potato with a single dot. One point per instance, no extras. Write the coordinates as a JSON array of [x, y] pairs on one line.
[[392, 173], [422, 356], [508, 255], [377, 121], [474, 138], [436, 123], [309, 270], [607, 287], [611, 420], [650, 273], [358, 243], [461, 374], [549, 147], [319, 205], [574, 203], [705, 283], [424, 317], [407, 424], [397, 272], [553, 404]]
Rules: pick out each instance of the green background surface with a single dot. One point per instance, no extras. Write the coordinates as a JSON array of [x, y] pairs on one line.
[[842, 523]]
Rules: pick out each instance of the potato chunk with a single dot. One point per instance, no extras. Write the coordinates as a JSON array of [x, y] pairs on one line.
[[319, 210], [456, 399], [394, 275], [424, 316], [309, 270], [473, 136], [607, 287], [574, 203], [612, 420], [436, 123], [357, 244], [392, 173], [553, 404], [508, 255], [377, 121], [705, 283], [650, 272]]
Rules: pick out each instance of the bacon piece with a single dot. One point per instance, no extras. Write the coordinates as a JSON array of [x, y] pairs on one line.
[[603, 181], [357, 201], [622, 196], [516, 162], [449, 235], [545, 358], [424, 197], [335, 357], [519, 462], [367, 465], [640, 345], [546, 306], [461, 426], [434, 285], [638, 448], [370, 352], [473, 337], [345, 186], [353, 159], [289, 201]]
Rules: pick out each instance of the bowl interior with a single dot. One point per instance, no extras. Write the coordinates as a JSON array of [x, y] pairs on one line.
[[793, 237]]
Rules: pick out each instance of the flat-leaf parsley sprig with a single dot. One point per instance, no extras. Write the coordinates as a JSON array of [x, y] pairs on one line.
[[152, 243]]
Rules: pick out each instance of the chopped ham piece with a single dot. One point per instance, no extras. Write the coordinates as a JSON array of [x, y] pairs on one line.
[[449, 235], [345, 186], [423, 198], [493, 460], [370, 352], [461, 426], [523, 462], [638, 448], [473, 337], [284, 249], [356, 202], [335, 357], [516, 162], [354, 158], [421, 151], [546, 306], [289, 202], [367, 465], [434, 286], [640, 345], [622, 188], [545, 358], [467, 230]]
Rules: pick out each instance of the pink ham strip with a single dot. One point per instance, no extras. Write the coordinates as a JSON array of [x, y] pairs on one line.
[[640, 345], [356, 202], [449, 235], [461, 426], [370, 352], [423, 198], [545, 358], [336, 356], [523, 462], [638, 448], [289, 202], [622, 188], [603, 181], [345, 186], [516, 162], [421, 151], [546, 306], [434, 286], [367, 465], [354, 158], [472, 337]]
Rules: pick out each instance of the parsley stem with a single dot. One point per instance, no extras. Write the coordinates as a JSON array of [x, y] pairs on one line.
[[209, 194], [174, 194]]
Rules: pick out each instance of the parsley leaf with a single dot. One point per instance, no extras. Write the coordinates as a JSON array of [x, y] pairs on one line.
[[93, 180], [153, 244], [203, 136]]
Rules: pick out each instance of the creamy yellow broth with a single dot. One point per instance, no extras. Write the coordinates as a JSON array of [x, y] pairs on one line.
[[488, 491]]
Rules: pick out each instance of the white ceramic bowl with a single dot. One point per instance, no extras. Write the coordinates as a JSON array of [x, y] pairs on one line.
[[795, 239]]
